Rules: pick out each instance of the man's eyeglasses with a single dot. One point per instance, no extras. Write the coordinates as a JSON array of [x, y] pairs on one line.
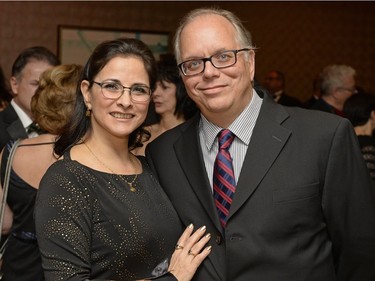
[[220, 60], [114, 90], [353, 91]]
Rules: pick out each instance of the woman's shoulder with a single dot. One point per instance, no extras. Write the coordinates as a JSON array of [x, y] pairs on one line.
[[39, 140]]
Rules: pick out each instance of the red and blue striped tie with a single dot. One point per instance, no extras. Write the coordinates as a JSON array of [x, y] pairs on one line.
[[224, 183]]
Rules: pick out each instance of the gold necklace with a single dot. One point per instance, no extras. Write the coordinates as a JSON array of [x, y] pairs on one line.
[[132, 188]]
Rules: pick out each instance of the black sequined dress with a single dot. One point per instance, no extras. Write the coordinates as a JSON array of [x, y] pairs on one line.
[[21, 260], [91, 226]]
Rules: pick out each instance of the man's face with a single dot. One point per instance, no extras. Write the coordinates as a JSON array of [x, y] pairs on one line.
[[272, 82], [24, 86], [346, 90], [221, 94]]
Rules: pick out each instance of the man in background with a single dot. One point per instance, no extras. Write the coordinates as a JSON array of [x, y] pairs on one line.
[[16, 120], [337, 84], [274, 82]]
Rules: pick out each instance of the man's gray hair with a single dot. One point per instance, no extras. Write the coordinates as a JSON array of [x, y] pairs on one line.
[[243, 36], [333, 76]]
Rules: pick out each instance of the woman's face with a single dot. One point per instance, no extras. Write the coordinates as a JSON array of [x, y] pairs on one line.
[[117, 117], [164, 97]]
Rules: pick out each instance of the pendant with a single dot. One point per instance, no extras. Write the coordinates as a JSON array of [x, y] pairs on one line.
[[132, 188]]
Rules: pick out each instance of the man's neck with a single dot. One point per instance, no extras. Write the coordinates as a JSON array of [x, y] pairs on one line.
[[22, 115], [332, 102]]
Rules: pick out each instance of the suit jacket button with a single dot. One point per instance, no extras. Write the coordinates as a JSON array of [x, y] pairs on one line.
[[218, 239]]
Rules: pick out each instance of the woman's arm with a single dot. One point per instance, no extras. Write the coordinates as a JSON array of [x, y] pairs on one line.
[[8, 214]]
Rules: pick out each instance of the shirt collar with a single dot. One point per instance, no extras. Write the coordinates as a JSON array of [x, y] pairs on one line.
[[242, 126], [25, 119]]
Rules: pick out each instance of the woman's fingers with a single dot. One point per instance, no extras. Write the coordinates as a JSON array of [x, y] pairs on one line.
[[199, 245], [189, 253], [188, 241], [184, 237]]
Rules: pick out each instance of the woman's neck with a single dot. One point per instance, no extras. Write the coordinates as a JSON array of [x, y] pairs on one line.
[[364, 130], [169, 121]]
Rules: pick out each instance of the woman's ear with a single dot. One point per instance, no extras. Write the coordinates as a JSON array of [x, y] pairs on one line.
[[372, 116], [85, 85]]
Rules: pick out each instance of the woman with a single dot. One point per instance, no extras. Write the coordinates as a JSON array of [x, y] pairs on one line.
[[100, 213], [5, 95], [52, 106], [171, 102], [360, 110]]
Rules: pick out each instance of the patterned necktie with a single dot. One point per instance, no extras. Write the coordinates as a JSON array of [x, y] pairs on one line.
[[224, 183]]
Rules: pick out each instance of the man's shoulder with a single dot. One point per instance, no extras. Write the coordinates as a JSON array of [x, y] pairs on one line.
[[8, 115], [169, 137]]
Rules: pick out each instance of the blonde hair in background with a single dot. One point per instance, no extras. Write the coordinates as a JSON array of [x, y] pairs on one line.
[[54, 100]]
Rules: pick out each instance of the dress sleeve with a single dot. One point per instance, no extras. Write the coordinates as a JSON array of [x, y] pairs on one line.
[[63, 224]]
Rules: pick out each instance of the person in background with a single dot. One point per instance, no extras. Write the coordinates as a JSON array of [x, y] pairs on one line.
[[284, 191], [171, 102], [5, 96], [274, 83], [16, 121], [100, 214], [337, 84], [360, 110], [52, 107], [315, 92]]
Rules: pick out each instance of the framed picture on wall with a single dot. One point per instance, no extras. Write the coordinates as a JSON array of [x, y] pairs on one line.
[[75, 43]]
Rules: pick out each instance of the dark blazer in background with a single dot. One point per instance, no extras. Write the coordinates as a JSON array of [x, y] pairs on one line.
[[304, 208], [288, 100], [11, 126]]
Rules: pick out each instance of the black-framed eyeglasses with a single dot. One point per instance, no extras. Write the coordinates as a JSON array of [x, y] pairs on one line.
[[353, 91], [219, 60], [114, 90]]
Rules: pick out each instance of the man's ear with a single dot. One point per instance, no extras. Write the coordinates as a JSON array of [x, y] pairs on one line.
[[251, 62], [14, 85]]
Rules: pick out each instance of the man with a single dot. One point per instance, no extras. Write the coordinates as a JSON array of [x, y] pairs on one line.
[[316, 92], [337, 84], [274, 83], [301, 205], [16, 119]]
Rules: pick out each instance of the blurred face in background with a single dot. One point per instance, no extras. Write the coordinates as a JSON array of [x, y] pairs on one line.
[[164, 97], [272, 82], [24, 86], [346, 90]]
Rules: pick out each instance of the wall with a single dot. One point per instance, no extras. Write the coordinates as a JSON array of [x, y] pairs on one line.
[[299, 38]]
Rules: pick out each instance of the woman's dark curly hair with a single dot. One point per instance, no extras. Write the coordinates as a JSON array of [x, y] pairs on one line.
[[103, 53]]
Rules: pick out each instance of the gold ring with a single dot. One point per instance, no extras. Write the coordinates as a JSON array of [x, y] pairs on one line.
[[191, 253], [178, 247]]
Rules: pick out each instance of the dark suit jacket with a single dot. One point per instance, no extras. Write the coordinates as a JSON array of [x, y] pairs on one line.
[[304, 208], [10, 126], [288, 100]]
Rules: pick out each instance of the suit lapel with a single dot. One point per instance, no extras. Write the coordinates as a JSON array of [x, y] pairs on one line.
[[267, 140], [16, 130], [14, 126], [189, 154]]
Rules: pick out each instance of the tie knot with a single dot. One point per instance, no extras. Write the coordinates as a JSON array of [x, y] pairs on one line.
[[225, 138], [34, 127]]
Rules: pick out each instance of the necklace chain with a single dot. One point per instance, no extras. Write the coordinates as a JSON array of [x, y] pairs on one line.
[[132, 188]]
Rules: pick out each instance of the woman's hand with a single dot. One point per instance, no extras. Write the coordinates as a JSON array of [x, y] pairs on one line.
[[189, 253]]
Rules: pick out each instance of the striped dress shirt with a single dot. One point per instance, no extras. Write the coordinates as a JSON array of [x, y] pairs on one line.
[[242, 127]]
